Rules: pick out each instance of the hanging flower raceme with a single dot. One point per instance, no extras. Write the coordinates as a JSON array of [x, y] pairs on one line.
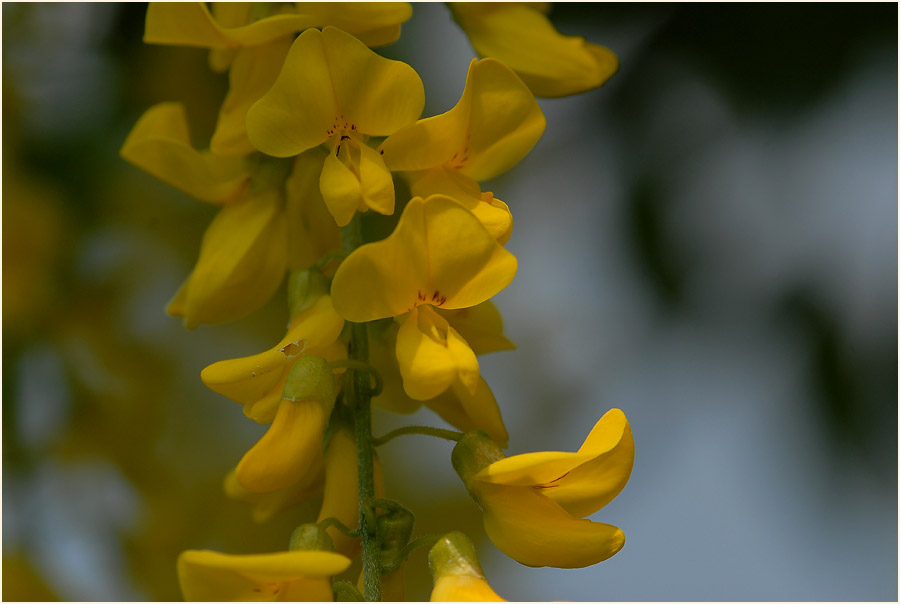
[[521, 35], [493, 126], [439, 256], [253, 42], [534, 504], [334, 91], [457, 574]]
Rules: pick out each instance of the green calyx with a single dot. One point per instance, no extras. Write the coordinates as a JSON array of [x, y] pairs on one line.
[[304, 288], [310, 378], [311, 537], [453, 554], [395, 526], [474, 452]]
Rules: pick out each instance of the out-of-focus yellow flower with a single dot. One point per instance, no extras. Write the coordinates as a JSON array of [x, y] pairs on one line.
[[257, 381], [244, 251], [265, 505], [439, 255], [457, 574], [493, 126], [254, 44], [521, 35], [333, 89], [295, 576], [341, 497], [534, 504]]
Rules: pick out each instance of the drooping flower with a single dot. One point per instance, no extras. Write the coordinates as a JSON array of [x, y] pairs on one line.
[[534, 504], [457, 574], [334, 90], [493, 126], [439, 255], [521, 35], [263, 506], [253, 43], [295, 576]]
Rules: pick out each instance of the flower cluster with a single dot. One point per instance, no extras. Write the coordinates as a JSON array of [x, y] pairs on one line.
[[316, 135]]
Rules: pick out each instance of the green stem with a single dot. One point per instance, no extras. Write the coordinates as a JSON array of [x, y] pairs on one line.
[[425, 430], [360, 366], [426, 541], [360, 401], [331, 521]]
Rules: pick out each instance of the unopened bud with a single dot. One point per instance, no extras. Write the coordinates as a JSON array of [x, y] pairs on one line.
[[395, 527]]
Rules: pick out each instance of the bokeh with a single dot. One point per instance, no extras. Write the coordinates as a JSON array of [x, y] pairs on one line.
[[708, 242]]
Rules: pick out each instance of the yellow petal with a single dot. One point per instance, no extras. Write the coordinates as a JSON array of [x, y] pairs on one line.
[[247, 379], [287, 450], [481, 326], [374, 23], [313, 229], [439, 254], [535, 531], [478, 411], [593, 484], [490, 211], [463, 588], [376, 183], [330, 82], [211, 576], [340, 189], [383, 358], [376, 95], [431, 356], [550, 63], [341, 497], [241, 263], [494, 125], [253, 71], [296, 113], [160, 144], [191, 24], [266, 505]]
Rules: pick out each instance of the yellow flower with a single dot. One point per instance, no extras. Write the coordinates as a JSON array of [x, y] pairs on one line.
[[265, 505], [257, 381], [493, 126], [341, 497], [255, 48], [244, 251], [457, 575], [295, 576], [520, 35], [534, 504], [333, 89], [439, 255], [292, 444]]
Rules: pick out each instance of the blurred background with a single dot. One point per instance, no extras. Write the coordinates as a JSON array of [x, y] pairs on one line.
[[709, 242]]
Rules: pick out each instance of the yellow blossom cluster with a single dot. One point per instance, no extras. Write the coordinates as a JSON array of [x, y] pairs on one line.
[[315, 133]]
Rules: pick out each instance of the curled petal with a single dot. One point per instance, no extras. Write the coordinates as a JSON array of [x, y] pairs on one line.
[[241, 263], [481, 326], [551, 64], [287, 449], [581, 482], [431, 356], [439, 254], [160, 144], [355, 178], [536, 531], [494, 125], [265, 505]]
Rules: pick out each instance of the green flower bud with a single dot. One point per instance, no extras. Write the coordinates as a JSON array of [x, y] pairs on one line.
[[474, 452], [311, 537], [395, 527]]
